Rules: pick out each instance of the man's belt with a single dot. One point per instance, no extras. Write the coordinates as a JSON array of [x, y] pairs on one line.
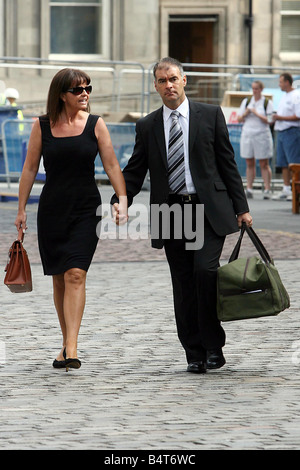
[[183, 198]]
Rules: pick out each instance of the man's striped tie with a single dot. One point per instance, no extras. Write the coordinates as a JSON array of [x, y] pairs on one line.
[[176, 171]]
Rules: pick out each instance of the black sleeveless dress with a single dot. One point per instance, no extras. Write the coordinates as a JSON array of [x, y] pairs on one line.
[[66, 218]]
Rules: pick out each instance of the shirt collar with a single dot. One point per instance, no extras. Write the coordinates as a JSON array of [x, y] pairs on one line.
[[183, 109]]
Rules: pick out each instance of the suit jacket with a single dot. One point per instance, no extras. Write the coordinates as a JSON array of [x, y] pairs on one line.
[[211, 157]]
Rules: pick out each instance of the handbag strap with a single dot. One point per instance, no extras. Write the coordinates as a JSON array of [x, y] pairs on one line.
[[16, 247], [256, 242]]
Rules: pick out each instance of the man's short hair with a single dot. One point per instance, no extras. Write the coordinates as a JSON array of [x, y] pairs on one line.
[[167, 61], [287, 77]]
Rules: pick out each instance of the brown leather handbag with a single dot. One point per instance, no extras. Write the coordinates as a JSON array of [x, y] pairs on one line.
[[18, 272]]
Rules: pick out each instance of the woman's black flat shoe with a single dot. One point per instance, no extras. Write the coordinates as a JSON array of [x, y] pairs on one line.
[[72, 363], [60, 364]]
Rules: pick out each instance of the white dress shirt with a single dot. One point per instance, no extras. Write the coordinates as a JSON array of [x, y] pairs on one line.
[[184, 111]]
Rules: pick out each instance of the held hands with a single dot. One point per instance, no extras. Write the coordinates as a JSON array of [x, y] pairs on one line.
[[120, 211]]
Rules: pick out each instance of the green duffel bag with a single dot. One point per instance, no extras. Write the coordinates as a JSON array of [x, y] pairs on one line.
[[250, 287]]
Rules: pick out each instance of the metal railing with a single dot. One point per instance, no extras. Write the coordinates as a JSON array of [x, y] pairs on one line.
[[224, 76], [131, 82], [116, 68], [206, 82]]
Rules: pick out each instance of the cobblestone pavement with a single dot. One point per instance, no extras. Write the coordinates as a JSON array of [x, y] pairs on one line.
[[132, 391]]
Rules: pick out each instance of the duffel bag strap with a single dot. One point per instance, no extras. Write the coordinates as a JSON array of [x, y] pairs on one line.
[[256, 242], [236, 250]]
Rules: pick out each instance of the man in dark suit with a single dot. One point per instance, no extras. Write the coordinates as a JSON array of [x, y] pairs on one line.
[[190, 162]]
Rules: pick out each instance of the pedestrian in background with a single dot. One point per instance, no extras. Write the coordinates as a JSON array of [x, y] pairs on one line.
[[69, 138], [256, 138], [287, 126], [11, 95]]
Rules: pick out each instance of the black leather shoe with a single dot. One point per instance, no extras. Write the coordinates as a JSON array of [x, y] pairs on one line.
[[215, 359], [198, 367]]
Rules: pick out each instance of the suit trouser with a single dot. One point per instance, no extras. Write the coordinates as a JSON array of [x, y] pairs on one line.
[[194, 279]]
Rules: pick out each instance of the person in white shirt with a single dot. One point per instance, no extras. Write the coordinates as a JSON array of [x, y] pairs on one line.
[[256, 138], [287, 125]]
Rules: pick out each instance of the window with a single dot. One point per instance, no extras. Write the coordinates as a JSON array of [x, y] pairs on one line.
[[1, 29], [77, 27], [290, 28]]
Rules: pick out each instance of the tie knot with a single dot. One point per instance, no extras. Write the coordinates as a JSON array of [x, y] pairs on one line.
[[175, 114]]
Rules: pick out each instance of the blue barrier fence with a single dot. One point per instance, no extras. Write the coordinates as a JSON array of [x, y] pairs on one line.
[[16, 133], [123, 138], [235, 131], [8, 112], [15, 136]]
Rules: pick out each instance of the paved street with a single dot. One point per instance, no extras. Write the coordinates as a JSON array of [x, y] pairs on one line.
[[132, 391]]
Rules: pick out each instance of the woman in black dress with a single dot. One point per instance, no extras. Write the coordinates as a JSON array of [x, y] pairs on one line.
[[68, 138]]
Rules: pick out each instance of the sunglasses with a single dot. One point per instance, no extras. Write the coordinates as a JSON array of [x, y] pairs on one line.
[[78, 90]]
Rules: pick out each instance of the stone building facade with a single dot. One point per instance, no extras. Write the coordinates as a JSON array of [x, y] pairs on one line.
[[233, 32]]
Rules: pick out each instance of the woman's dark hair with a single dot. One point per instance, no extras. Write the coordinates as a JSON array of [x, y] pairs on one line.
[[61, 82]]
